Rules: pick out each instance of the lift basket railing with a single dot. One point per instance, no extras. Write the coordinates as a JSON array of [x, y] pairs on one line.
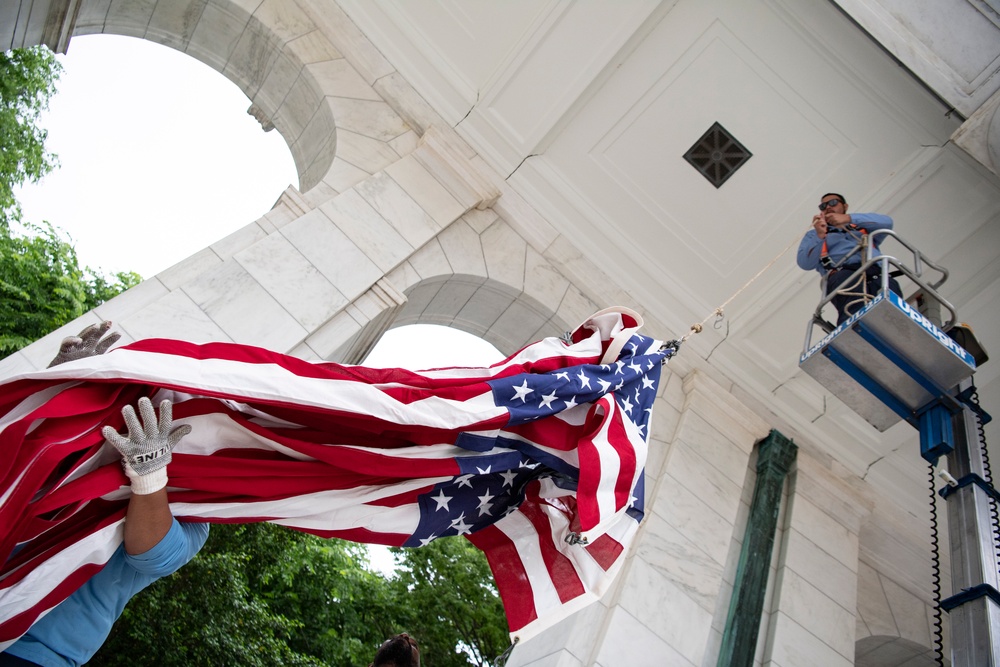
[[926, 275]]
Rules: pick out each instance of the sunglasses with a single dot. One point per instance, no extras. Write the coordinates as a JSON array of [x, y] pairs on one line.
[[828, 203]]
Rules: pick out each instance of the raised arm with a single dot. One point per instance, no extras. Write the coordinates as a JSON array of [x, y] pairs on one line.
[[146, 451]]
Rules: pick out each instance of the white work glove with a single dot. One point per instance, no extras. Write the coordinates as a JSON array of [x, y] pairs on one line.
[[87, 344], [146, 450]]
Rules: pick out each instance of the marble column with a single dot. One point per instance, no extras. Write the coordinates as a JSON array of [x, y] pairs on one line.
[[814, 603]]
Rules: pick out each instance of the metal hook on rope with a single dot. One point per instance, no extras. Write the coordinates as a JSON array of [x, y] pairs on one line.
[[502, 659], [670, 348], [695, 329]]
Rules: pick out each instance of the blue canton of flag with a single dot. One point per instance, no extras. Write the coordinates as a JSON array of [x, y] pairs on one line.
[[492, 485], [633, 378]]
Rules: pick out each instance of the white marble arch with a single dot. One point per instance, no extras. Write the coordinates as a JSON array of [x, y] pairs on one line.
[[298, 81], [887, 651], [506, 317], [895, 625], [479, 276]]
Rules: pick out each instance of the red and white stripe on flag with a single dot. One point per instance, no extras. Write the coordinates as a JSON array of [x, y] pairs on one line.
[[541, 577], [342, 451]]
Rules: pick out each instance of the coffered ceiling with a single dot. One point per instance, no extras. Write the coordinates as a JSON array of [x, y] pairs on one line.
[[587, 108]]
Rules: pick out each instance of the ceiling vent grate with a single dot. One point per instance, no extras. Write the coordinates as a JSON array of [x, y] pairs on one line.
[[717, 155]]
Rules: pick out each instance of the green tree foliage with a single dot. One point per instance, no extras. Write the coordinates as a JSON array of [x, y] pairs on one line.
[[27, 82], [263, 595], [208, 613], [455, 610], [344, 610], [43, 287]]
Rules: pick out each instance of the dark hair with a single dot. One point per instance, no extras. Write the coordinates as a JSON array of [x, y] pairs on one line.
[[839, 196], [398, 651]]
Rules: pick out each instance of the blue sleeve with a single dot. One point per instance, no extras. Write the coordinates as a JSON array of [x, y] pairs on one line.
[[809, 251], [177, 547], [75, 629], [871, 221]]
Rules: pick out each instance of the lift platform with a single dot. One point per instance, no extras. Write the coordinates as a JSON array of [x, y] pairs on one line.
[[889, 361], [894, 360]]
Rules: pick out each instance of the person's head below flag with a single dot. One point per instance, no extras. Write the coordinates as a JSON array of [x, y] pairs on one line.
[[398, 651]]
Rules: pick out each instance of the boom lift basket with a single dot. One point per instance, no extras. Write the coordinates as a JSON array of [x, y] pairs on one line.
[[888, 362]]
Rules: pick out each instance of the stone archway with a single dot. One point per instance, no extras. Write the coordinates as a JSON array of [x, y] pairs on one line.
[[380, 207], [484, 307], [893, 621], [477, 275], [298, 82], [885, 651]]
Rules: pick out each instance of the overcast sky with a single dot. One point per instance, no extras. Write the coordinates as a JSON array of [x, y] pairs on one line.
[[160, 159], [158, 156]]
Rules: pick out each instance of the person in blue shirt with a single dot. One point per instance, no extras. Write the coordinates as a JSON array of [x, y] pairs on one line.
[[827, 248], [155, 543]]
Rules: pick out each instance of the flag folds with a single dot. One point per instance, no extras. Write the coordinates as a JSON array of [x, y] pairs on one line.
[[538, 459]]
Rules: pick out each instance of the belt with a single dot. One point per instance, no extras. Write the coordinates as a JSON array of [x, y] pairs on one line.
[[849, 267]]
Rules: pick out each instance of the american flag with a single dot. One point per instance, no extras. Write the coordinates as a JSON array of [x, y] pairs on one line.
[[538, 459]]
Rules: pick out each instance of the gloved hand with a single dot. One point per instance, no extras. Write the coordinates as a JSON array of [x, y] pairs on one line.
[[87, 344], [147, 449]]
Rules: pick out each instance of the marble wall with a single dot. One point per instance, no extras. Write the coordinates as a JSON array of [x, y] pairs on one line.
[[671, 604], [324, 281], [814, 617], [399, 222]]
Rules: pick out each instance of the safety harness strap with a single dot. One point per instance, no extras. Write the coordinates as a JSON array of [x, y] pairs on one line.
[[824, 255]]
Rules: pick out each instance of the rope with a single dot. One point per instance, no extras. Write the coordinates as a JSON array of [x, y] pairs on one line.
[[720, 312]]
